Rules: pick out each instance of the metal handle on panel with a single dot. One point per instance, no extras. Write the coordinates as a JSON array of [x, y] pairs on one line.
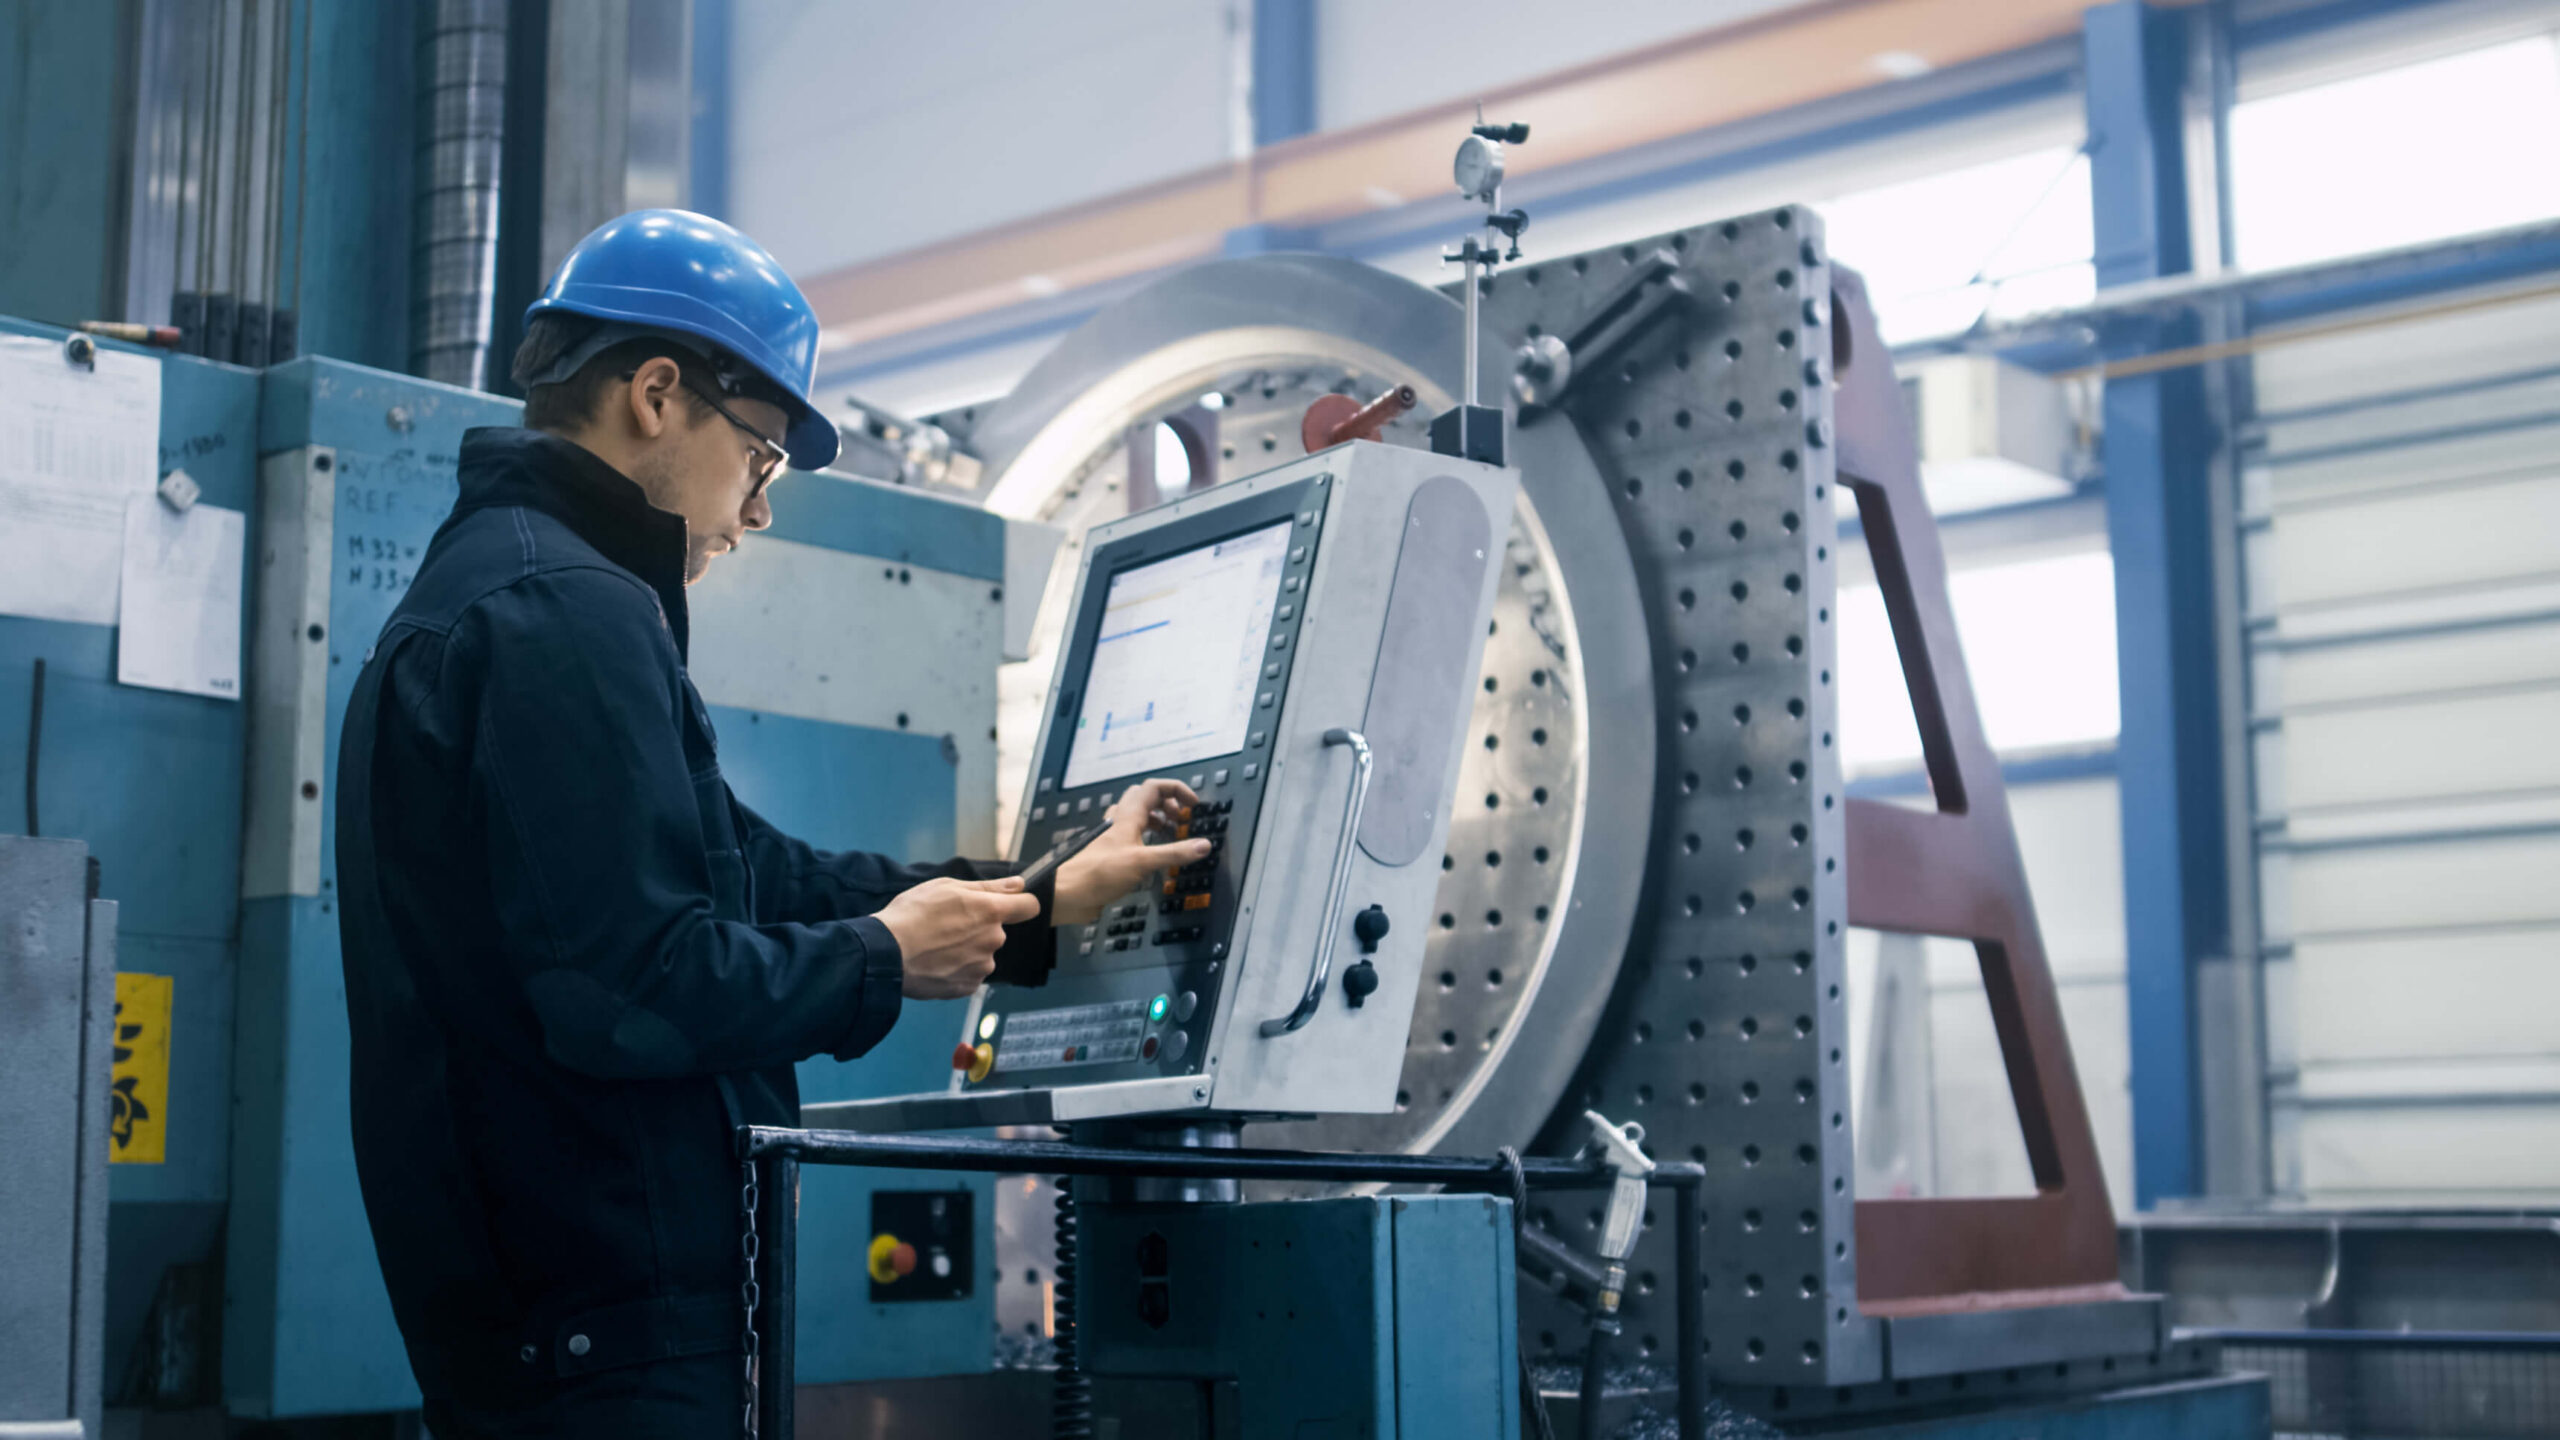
[[1336, 889]]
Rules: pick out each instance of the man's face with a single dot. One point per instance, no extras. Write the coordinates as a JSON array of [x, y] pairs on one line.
[[703, 466]]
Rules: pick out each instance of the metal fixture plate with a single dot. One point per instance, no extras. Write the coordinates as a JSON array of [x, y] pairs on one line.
[[1726, 1036]]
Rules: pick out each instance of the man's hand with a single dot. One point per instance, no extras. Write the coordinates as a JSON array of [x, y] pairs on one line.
[[949, 931], [1115, 864]]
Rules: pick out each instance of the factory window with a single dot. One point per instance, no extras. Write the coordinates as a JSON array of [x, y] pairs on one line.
[[1990, 240], [2398, 157], [2039, 637]]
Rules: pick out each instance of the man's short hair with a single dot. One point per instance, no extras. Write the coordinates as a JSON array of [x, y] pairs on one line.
[[571, 403]]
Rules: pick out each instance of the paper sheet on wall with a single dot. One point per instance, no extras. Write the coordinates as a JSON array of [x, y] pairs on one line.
[[180, 628], [75, 445]]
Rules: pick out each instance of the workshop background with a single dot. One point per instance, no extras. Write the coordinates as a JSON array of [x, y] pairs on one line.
[[2231, 331]]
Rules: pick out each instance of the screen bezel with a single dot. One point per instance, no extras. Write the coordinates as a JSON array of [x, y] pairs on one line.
[[1107, 562]]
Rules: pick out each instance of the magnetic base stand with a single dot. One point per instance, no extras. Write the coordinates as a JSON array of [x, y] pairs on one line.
[[1468, 432]]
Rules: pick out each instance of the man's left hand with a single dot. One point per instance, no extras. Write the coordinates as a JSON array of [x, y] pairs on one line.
[[1121, 858]]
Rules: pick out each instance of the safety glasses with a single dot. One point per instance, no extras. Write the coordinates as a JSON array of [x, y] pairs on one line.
[[768, 456]]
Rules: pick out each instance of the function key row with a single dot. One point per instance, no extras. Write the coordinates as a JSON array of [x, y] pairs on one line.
[[1075, 1016]]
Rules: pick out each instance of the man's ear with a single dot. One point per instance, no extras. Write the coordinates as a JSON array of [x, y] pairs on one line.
[[652, 395]]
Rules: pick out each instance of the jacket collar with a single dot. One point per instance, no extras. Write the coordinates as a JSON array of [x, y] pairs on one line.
[[606, 508]]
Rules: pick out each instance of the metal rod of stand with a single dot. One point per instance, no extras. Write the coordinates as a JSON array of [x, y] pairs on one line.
[[780, 1323], [1472, 289], [1688, 1320]]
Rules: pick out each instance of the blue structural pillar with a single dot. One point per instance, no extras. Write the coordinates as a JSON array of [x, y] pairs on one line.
[[707, 148], [2157, 450], [1284, 104], [1284, 69]]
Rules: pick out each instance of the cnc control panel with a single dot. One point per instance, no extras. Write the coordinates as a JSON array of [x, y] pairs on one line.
[[1300, 647]]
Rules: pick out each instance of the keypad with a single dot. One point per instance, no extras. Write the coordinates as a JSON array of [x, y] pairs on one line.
[[1075, 1035]]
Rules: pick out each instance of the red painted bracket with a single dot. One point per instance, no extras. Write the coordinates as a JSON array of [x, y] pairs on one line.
[[1956, 872]]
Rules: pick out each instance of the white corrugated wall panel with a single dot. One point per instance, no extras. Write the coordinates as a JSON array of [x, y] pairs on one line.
[[2402, 564], [2460, 745], [2391, 998]]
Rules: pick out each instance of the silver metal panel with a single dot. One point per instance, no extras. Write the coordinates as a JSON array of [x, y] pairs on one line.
[[1952, 1344], [1431, 632], [89, 1264], [1344, 1061], [44, 958], [289, 673], [799, 629], [1030, 551]]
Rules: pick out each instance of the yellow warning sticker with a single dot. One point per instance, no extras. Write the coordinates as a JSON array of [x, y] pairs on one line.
[[140, 1082]]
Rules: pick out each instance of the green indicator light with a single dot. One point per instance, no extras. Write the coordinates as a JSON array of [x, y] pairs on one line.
[[1156, 1008]]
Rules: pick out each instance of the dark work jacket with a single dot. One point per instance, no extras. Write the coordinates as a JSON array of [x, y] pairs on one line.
[[574, 961]]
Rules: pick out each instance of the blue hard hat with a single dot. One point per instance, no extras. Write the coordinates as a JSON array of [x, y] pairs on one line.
[[675, 270]]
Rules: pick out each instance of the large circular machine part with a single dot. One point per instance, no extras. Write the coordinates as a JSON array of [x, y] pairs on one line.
[[1547, 845]]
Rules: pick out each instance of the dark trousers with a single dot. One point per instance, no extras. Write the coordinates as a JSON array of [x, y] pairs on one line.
[[699, 1398]]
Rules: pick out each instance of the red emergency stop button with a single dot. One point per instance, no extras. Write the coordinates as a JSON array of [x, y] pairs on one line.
[[892, 1259], [975, 1061]]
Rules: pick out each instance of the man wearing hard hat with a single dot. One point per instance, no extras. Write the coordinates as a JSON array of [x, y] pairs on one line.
[[574, 962]]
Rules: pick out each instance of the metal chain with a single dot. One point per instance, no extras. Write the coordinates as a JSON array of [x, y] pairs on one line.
[[748, 1296]]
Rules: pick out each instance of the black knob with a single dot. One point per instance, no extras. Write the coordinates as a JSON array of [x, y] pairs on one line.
[[1360, 982], [1369, 927]]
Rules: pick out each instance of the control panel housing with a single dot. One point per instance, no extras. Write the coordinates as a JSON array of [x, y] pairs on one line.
[[1302, 648]]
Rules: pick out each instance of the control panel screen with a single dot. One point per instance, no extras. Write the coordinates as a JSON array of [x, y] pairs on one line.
[[1172, 679]]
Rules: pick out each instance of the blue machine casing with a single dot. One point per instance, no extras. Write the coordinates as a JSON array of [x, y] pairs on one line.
[[158, 784], [1390, 1317]]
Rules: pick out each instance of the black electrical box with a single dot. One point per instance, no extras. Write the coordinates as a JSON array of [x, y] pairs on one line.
[[923, 1245]]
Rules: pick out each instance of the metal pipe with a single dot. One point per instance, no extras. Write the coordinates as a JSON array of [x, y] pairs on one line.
[[780, 1322], [1688, 1308], [1365, 422], [279, 100], [1473, 298], [462, 112], [2176, 292], [35, 745], [2524, 1340], [1560, 1259], [1042, 1157], [239, 194]]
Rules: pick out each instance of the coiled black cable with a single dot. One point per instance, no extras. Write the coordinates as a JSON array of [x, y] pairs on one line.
[[1533, 1403], [1071, 1405]]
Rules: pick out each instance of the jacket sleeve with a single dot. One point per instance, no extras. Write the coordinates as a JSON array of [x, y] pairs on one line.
[[796, 882], [600, 871]]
